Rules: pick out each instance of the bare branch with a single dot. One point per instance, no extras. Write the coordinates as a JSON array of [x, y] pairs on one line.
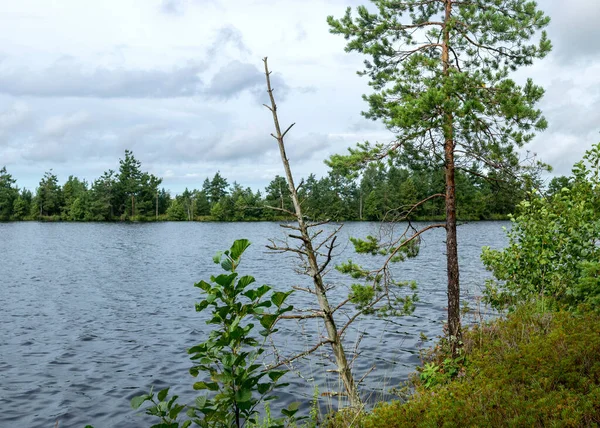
[[301, 317], [289, 226], [286, 131], [318, 223], [281, 209], [300, 355], [324, 265], [413, 237]]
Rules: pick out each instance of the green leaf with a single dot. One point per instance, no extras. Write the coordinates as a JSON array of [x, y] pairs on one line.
[[174, 412], [263, 387], [201, 401], [227, 265], [201, 306], [245, 281], [136, 402], [225, 280], [238, 248], [243, 395], [267, 320], [279, 297], [163, 394], [203, 285], [212, 386], [275, 375], [291, 409], [262, 290]]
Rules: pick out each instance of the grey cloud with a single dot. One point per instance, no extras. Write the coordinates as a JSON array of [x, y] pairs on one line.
[[232, 150], [14, 116], [172, 6], [366, 125], [232, 79], [228, 35], [162, 145], [309, 146], [50, 151], [574, 28], [67, 78], [236, 77], [177, 7], [59, 126], [573, 113]]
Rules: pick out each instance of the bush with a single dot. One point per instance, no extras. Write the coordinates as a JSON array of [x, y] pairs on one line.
[[553, 245]]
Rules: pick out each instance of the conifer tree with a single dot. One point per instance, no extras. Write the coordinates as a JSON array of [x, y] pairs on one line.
[[440, 73]]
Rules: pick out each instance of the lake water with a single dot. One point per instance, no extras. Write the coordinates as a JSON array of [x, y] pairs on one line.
[[94, 314]]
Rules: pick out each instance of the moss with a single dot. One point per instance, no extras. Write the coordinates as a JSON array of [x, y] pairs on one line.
[[530, 369]]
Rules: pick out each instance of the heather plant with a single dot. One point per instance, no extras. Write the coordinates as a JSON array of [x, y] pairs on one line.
[[532, 368]]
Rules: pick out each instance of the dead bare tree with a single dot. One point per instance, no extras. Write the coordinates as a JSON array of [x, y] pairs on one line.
[[310, 254], [315, 249]]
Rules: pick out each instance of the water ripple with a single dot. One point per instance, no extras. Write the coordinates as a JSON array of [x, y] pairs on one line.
[[94, 314]]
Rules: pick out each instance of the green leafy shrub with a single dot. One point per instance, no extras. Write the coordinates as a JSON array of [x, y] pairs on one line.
[[553, 246], [532, 369], [234, 379]]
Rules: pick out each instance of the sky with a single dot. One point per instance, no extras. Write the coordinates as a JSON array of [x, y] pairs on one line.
[[180, 83]]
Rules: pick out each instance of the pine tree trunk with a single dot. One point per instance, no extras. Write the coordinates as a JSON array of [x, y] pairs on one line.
[[454, 331]]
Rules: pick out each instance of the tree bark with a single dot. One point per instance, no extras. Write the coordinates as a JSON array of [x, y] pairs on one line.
[[454, 330], [333, 335]]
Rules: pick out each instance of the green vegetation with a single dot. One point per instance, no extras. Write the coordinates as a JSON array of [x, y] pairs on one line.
[[539, 366], [440, 74], [532, 369], [230, 362], [132, 194], [553, 247]]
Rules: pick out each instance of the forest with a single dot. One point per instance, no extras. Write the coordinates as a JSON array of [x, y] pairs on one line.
[[382, 192]]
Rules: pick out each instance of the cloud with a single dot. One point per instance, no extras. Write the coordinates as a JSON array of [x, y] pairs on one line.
[[236, 77], [68, 78], [178, 7], [310, 146], [228, 35], [58, 126], [172, 6], [14, 116], [232, 79], [574, 29], [301, 33]]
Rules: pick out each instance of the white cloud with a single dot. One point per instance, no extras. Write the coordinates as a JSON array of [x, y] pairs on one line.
[[14, 116], [58, 126], [180, 82]]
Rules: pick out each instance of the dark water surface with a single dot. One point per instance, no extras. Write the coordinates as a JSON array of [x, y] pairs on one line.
[[94, 314]]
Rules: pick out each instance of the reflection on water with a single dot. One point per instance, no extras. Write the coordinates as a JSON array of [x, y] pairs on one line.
[[93, 314]]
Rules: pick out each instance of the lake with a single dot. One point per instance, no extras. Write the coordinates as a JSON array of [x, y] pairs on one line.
[[94, 314]]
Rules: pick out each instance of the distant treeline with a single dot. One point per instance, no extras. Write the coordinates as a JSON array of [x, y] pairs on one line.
[[381, 192]]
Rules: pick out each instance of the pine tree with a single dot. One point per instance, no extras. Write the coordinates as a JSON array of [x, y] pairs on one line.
[[440, 71]]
